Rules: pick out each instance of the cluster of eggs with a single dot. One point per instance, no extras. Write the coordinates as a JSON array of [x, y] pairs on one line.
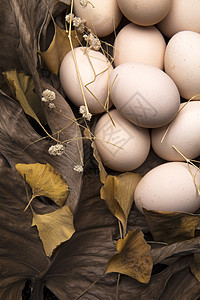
[[146, 83]]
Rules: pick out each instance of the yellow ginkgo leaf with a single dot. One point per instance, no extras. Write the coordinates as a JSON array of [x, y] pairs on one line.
[[44, 181], [58, 48], [133, 257], [171, 227], [54, 228], [22, 88], [118, 193]]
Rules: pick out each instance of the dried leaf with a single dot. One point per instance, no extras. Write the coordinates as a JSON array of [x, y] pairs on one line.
[[133, 257], [44, 181], [54, 228], [171, 227], [22, 88], [195, 266], [58, 48], [118, 193], [102, 172]]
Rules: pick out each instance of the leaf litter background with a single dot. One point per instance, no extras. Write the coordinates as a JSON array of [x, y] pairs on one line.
[[160, 253]]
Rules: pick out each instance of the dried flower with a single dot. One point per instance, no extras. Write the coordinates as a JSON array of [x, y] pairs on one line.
[[57, 149], [83, 3], [78, 168], [48, 96], [85, 113], [92, 41], [51, 105], [68, 17]]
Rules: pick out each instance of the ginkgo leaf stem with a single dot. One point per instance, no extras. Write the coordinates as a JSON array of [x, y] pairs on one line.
[[33, 196]]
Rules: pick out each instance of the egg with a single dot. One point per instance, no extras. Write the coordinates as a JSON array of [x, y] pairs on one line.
[[139, 44], [183, 133], [182, 62], [94, 70], [145, 12], [183, 15], [102, 17], [122, 146], [169, 187], [144, 94]]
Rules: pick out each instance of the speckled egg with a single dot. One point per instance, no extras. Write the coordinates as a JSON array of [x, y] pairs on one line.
[[169, 187], [139, 44], [144, 94], [183, 133], [182, 62], [122, 146], [94, 70]]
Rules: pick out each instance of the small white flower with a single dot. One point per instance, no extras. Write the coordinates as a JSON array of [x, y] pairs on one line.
[[92, 41], [83, 3], [68, 17], [78, 168], [48, 96], [77, 21], [57, 149], [87, 115], [51, 105]]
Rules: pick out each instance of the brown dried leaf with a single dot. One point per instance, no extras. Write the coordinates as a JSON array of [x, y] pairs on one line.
[[54, 228], [44, 181], [22, 88], [118, 193], [58, 48], [171, 227], [195, 266], [133, 257], [102, 172]]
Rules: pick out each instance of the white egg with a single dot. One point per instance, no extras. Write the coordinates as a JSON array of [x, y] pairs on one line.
[[94, 70], [122, 146], [139, 44], [102, 17], [183, 15], [169, 187], [182, 62], [145, 12], [183, 133], [144, 94]]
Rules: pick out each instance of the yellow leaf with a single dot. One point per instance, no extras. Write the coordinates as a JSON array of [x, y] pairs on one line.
[[118, 193], [171, 227], [44, 181], [133, 257], [58, 48], [22, 88], [54, 228]]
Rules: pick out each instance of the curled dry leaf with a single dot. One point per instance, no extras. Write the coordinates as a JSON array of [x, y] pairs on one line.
[[54, 228], [22, 88], [58, 48], [44, 181], [118, 193], [133, 257], [171, 227]]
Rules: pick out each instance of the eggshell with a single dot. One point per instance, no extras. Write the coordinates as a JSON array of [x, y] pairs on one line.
[[139, 44], [145, 12], [182, 62], [144, 94], [102, 17], [183, 15], [87, 62], [184, 134], [122, 147], [169, 187]]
